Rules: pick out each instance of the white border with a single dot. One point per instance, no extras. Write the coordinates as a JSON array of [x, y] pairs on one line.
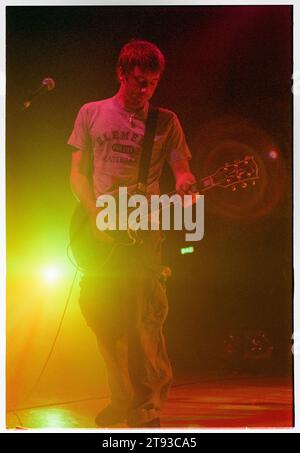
[[2, 221], [3, 4]]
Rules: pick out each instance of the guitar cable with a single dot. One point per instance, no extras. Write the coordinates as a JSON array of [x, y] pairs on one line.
[[15, 410], [37, 381]]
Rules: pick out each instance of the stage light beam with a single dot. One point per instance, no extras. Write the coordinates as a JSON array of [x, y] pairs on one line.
[[51, 274]]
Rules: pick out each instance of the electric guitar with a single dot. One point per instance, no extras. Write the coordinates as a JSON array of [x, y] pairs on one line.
[[91, 254]]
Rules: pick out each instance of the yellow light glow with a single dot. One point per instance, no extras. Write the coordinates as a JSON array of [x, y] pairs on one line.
[[51, 274]]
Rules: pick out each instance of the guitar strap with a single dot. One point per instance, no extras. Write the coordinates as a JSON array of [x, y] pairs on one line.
[[148, 141]]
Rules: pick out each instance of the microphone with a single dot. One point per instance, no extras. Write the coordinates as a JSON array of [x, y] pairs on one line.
[[47, 84]]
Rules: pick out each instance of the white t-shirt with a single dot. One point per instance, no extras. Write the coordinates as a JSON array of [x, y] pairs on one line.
[[114, 136]]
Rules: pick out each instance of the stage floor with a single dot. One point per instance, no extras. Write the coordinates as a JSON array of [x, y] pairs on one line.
[[222, 403]]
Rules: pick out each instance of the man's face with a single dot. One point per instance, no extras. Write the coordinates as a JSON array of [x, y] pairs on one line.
[[139, 85]]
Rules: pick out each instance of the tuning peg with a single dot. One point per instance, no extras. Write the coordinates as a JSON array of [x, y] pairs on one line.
[[253, 182], [244, 185], [233, 188]]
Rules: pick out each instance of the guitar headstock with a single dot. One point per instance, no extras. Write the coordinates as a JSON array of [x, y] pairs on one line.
[[237, 173]]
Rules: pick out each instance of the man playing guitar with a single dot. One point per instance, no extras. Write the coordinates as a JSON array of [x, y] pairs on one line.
[[124, 301]]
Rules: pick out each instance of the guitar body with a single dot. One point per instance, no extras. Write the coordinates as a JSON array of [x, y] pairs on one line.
[[90, 253]]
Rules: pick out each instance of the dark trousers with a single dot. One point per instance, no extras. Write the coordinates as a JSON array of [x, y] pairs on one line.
[[125, 304]]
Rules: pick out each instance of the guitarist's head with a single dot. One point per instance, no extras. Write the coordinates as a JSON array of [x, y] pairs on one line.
[[140, 67]]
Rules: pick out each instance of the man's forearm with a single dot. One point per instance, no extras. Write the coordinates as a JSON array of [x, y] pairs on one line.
[[82, 189], [185, 180], [179, 167]]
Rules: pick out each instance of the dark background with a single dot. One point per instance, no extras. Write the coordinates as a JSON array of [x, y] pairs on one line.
[[228, 77]]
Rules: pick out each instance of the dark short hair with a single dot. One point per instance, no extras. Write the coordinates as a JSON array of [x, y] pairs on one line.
[[143, 54]]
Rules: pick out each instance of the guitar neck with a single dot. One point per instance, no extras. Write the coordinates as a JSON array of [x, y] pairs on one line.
[[206, 183], [240, 172]]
